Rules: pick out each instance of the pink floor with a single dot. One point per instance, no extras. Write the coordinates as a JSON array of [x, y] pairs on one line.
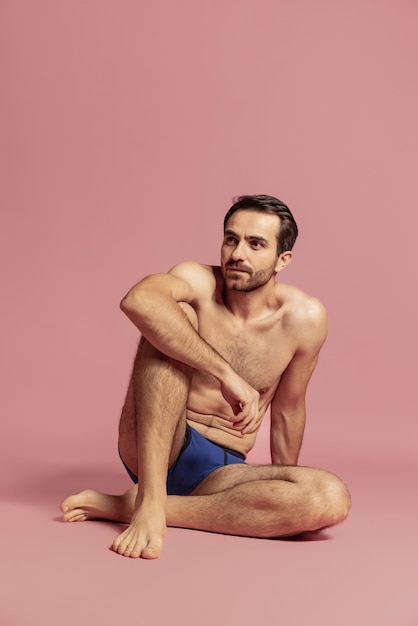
[[363, 572]]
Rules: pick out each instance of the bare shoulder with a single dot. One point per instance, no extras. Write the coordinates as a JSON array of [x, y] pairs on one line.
[[201, 278], [304, 316]]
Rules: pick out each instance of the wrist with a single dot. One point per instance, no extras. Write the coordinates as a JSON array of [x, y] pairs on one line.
[[223, 370]]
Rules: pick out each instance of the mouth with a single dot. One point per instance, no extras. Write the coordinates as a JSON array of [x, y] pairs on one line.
[[240, 270]]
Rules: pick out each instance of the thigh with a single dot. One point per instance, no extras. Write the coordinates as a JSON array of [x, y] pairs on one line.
[[158, 386], [229, 476]]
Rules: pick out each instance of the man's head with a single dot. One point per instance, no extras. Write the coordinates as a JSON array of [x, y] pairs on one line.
[[259, 233], [287, 230]]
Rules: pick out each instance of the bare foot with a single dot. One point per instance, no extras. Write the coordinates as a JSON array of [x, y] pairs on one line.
[[91, 504], [144, 536]]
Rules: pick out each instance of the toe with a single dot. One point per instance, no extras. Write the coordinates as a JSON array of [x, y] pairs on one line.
[[72, 515], [66, 504], [127, 549], [135, 554], [80, 517], [70, 504], [122, 547], [152, 551], [136, 549], [118, 540]]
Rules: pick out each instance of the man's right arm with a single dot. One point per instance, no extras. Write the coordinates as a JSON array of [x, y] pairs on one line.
[[153, 306]]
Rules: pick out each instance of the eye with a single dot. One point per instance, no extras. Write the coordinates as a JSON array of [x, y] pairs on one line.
[[256, 244], [230, 241]]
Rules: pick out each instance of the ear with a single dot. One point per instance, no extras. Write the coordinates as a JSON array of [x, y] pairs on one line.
[[283, 260]]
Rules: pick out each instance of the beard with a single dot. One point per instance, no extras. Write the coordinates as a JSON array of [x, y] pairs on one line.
[[248, 281]]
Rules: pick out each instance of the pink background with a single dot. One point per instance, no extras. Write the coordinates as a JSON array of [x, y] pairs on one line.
[[126, 129]]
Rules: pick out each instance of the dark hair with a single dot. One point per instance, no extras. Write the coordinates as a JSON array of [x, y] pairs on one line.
[[288, 231]]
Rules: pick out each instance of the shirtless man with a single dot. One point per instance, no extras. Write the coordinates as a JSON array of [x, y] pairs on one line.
[[219, 346]]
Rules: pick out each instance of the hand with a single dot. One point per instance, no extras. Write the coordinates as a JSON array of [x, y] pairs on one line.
[[244, 402]]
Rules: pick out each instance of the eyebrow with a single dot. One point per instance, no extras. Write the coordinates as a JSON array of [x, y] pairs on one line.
[[229, 231]]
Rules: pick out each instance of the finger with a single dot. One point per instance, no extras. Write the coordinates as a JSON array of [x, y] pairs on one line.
[[250, 428], [240, 418], [246, 426], [237, 408], [251, 425]]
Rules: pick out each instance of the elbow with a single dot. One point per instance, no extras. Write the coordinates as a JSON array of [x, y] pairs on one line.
[[131, 302], [125, 303]]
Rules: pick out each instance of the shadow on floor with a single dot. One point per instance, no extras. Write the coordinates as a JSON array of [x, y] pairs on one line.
[[50, 485]]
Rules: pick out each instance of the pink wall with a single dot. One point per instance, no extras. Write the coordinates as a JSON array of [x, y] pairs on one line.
[[127, 127]]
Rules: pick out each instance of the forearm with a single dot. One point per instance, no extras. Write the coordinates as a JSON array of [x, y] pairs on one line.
[[286, 438], [164, 324], [155, 307]]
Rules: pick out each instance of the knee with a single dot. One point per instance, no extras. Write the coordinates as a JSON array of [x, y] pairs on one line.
[[333, 501]]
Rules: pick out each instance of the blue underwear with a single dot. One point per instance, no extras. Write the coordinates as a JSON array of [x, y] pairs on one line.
[[198, 458]]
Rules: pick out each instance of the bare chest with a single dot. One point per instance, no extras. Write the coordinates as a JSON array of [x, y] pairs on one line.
[[258, 351]]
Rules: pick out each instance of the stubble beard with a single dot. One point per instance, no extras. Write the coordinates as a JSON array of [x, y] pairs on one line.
[[255, 281]]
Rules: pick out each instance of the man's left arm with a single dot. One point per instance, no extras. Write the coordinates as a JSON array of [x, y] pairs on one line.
[[288, 410]]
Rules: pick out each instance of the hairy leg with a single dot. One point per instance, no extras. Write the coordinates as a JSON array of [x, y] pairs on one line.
[[254, 501], [151, 431], [263, 501]]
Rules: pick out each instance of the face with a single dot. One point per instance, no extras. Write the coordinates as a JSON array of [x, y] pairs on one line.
[[249, 257]]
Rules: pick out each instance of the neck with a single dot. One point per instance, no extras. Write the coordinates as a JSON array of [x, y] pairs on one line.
[[249, 305]]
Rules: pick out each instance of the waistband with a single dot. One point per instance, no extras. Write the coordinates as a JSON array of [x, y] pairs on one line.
[[187, 437]]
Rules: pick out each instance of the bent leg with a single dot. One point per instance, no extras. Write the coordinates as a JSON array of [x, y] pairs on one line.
[[252, 501], [150, 439], [265, 501], [151, 434]]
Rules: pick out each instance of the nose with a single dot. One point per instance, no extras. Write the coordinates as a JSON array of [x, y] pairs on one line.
[[239, 254]]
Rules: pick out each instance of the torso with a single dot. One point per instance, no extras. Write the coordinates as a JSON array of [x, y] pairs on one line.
[[259, 351]]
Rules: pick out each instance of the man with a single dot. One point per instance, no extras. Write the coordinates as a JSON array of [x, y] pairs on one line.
[[219, 346]]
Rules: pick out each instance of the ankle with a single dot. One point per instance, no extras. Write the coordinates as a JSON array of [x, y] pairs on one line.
[[151, 497]]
